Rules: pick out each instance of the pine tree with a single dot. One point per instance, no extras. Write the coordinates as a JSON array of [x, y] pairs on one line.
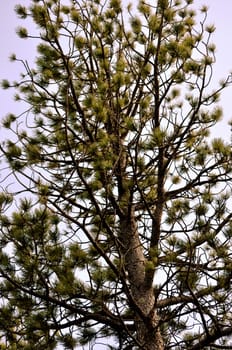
[[119, 229]]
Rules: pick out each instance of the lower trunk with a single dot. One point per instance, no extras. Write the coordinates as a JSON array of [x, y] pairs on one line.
[[146, 321], [148, 332]]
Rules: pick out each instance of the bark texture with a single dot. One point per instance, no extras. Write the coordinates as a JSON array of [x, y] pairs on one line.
[[148, 333]]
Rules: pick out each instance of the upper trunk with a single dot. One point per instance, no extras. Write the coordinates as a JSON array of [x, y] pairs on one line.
[[146, 320]]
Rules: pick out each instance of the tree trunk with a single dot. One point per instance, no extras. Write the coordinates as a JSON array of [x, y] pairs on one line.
[[146, 321]]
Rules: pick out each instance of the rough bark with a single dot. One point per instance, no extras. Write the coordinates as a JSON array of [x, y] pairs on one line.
[[146, 319]]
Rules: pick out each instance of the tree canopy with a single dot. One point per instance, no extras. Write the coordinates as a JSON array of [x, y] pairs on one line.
[[116, 233]]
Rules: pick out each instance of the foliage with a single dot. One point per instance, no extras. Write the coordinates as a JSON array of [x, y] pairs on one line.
[[124, 234]]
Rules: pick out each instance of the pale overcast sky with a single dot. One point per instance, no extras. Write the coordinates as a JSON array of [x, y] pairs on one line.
[[220, 12]]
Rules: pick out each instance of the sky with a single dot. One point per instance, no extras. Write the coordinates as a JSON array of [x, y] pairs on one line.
[[219, 14]]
